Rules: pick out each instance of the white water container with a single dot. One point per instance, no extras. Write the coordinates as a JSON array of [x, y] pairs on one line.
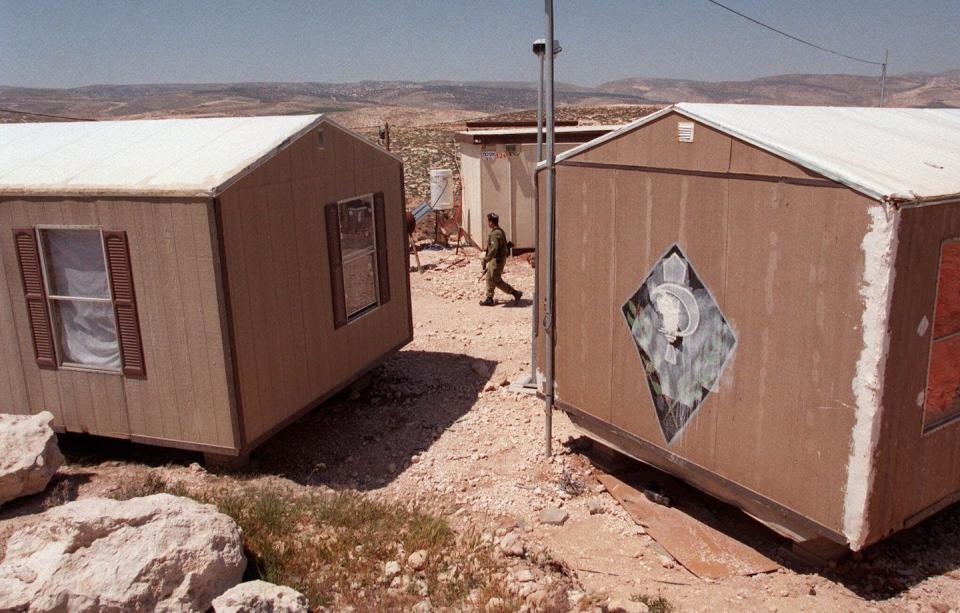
[[441, 189]]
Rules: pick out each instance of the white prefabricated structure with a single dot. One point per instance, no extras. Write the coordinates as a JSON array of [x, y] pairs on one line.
[[496, 168]]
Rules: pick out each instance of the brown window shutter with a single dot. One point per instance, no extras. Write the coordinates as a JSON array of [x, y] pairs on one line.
[[124, 303], [332, 216], [38, 312], [383, 254]]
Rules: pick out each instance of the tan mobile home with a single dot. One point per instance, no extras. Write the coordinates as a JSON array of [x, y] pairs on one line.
[[496, 169], [195, 283], [765, 301]]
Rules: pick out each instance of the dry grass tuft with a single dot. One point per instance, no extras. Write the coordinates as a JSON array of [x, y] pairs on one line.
[[333, 547], [656, 604]]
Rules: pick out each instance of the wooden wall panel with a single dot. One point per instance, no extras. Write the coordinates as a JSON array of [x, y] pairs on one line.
[[12, 357], [656, 145], [184, 399], [585, 243], [289, 355], [785, 264], [916, 472]]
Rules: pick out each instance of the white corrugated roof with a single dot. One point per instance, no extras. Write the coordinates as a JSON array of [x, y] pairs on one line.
[[886, 153], [184, 157]]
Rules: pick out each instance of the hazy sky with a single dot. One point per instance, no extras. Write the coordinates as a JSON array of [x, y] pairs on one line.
[[69, 43]]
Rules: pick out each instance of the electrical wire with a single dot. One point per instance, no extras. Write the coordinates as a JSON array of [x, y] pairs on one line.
[[792, 37], [2, 110]]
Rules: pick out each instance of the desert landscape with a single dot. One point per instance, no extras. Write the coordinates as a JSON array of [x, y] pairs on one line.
[[424, 486]]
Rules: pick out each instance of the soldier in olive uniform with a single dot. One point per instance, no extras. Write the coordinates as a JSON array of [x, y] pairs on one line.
[[494, 260]]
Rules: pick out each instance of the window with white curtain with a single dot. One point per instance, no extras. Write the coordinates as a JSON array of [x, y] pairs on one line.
[[81, 304], [358, 248]]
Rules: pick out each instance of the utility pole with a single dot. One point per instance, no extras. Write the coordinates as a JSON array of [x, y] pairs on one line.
[[548, 323], [540, 50], [883, 75]]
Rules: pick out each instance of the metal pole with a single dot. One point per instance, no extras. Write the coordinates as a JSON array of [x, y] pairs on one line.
[[535, 316], [883, 75], [548, 323]]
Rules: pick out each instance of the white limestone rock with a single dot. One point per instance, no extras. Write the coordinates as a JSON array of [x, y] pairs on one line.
[[29, 456], [260, 597], [155, 553]]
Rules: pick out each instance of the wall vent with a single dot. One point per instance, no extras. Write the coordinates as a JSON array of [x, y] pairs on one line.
[[685, 131]]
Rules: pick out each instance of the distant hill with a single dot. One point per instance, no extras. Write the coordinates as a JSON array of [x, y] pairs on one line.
[[914, 89], [139, 101]]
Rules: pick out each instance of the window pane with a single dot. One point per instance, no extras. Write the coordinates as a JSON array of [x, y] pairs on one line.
[[87, 333], [75, 265], [359, 284], [356, 227]]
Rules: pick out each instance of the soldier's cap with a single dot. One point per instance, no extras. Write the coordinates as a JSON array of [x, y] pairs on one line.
[[493, 217]]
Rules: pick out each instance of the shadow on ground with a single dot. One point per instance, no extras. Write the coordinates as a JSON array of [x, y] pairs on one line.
[[364, 438], [63, 488], [880, 572]]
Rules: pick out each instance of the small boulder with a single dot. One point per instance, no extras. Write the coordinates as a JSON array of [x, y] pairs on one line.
[[418, 560], [30, 455], [553, 516], [260, 597], [511, 545], [422, 607], [595, 506], [480, 367], [157, 552], [391, 569], [622, 605]]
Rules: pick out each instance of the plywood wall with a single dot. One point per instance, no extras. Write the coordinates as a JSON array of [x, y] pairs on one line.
[[503, 186], [472, 210], [288, 353], [184, 398], [917, 473], [783, 261]]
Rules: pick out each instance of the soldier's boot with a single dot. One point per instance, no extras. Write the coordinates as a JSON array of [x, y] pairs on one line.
[[487, 302], [516, 296]]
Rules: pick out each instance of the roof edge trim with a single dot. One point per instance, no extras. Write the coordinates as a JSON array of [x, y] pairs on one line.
[[793, 156], [321, 119], [266, 157], [636, 123]]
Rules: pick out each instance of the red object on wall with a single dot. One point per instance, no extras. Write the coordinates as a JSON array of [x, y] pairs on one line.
[[942, 399]]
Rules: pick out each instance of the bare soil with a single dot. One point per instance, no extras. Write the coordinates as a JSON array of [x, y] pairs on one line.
[[438, 426]]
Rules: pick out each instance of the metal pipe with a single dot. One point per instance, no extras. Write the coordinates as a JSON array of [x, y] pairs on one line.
[[883, 75], [548, 322], [535, 316]]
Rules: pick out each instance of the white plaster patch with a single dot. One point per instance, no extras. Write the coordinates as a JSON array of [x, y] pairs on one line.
[[879, 249], [921, 396], [923, 326]]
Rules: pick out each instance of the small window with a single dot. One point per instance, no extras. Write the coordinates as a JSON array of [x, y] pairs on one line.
[[358, 248], [941, 401], [80, 300]]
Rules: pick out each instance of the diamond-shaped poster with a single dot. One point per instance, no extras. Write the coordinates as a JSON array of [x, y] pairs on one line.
[[682, 336]]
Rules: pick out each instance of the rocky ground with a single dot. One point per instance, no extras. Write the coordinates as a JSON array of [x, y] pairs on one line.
[[438, 426]]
